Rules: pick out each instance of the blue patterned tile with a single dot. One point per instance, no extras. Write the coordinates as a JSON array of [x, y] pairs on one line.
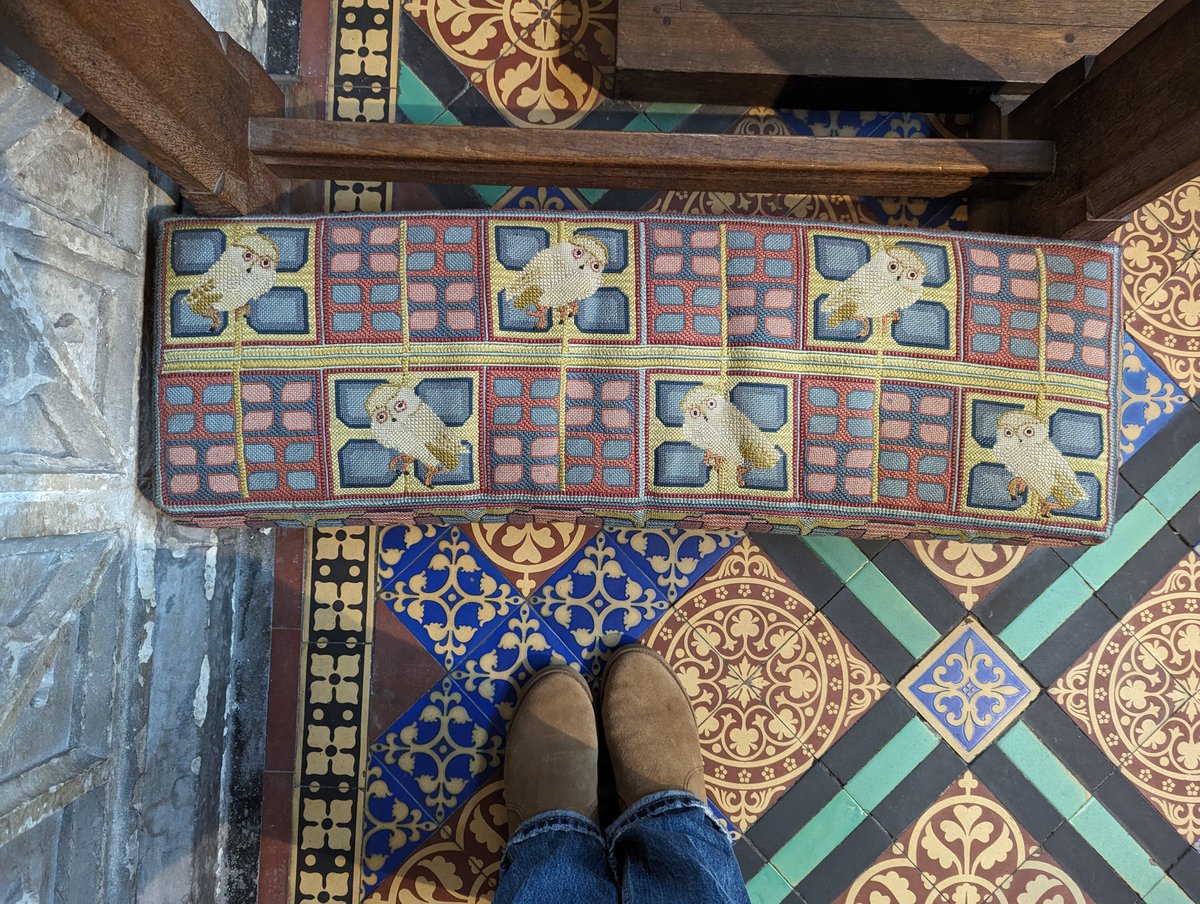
[[969, 689], [403, 549], [674, 559], [448, 593], [444, 748], [1148, 397], [599, 600], [393, 825], [867, 123], [497, 668]]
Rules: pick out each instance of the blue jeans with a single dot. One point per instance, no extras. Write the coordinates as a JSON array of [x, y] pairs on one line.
[[666, 848]]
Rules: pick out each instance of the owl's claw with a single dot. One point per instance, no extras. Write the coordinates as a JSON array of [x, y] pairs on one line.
[[713, 461], [1016, 487], [431, 473], [1044, 512], [403, 461], [866, 328], [742, 471]]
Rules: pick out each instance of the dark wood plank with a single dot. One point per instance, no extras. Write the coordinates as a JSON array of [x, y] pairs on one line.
[[462, 154], [1126, 127], [157, 74], [801, 53]]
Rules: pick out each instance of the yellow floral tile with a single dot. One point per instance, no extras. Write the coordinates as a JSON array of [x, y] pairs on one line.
[[968, 570], [966, 847], [772, 681], [1136, 693]]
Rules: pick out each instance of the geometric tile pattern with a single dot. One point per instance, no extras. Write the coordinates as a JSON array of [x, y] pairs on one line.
[[1088, 794], [969, 689], [965, 847], [1137, 695]]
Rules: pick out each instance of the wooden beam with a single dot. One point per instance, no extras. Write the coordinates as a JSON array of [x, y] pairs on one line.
[[479, 155], [1126, 126], [918, 54], [158, 75]]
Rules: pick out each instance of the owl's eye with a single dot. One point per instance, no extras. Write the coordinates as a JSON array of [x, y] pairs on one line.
[[1028, 431], [596, 266], [911, 274], [1007, 431], [577, 253], [711, 403], [893, 266], [400, 405], [695, 412], [266, 263], [381, 415], [247, 256]]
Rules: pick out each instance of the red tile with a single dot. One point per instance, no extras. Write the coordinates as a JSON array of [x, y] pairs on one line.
[[401, 671], [289, 578], [282, 703], [275, 842]]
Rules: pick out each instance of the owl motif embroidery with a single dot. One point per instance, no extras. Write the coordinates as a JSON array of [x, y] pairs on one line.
[[403, 423], [1024, 447], [878, 290], [559, 277], [244, 272], [713, 423]]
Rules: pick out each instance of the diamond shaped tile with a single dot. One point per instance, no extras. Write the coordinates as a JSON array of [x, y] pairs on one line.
[[675, 559], [528, 554], [969, 689], [443, 748], [966, 846], [500, 664], [772, 682], [445, 590], [1137, 694], [598, 600]]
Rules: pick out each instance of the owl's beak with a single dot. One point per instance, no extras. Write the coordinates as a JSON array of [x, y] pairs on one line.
[[583, 266]]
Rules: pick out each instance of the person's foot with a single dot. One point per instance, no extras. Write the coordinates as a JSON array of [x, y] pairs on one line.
[[649, 726], [552, 750]]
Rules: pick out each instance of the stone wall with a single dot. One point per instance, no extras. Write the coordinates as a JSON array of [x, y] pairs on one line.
[[132, 652]]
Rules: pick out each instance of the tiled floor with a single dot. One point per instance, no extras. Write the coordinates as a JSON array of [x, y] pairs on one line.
[[882, 722]]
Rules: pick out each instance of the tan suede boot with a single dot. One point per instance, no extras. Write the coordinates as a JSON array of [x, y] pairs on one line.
[[649, 726], [553, 749]]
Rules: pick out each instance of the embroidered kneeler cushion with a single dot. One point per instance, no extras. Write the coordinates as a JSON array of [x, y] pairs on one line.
[[636, 369]]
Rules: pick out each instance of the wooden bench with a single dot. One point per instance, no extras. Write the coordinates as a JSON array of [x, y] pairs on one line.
[[1101, 137]]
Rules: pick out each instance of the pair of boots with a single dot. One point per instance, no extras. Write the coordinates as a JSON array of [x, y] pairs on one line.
[[552, 761]]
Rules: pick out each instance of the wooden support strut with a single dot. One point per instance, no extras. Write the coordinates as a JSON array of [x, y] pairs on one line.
[[465, 154], [158, 75], [1126, 126]]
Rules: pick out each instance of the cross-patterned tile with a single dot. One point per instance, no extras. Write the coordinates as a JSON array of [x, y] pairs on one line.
[[500, 664], [443, 748], [772, 682], [598, 600], [969, 689], [675, 559], [445, 590], [1135, 693], [965, 847]]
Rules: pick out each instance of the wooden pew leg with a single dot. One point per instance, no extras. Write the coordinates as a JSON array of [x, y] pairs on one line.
[[1126, 128]]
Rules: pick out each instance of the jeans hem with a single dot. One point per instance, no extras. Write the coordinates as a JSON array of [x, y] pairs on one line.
[[658, 804], [556, 821]]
